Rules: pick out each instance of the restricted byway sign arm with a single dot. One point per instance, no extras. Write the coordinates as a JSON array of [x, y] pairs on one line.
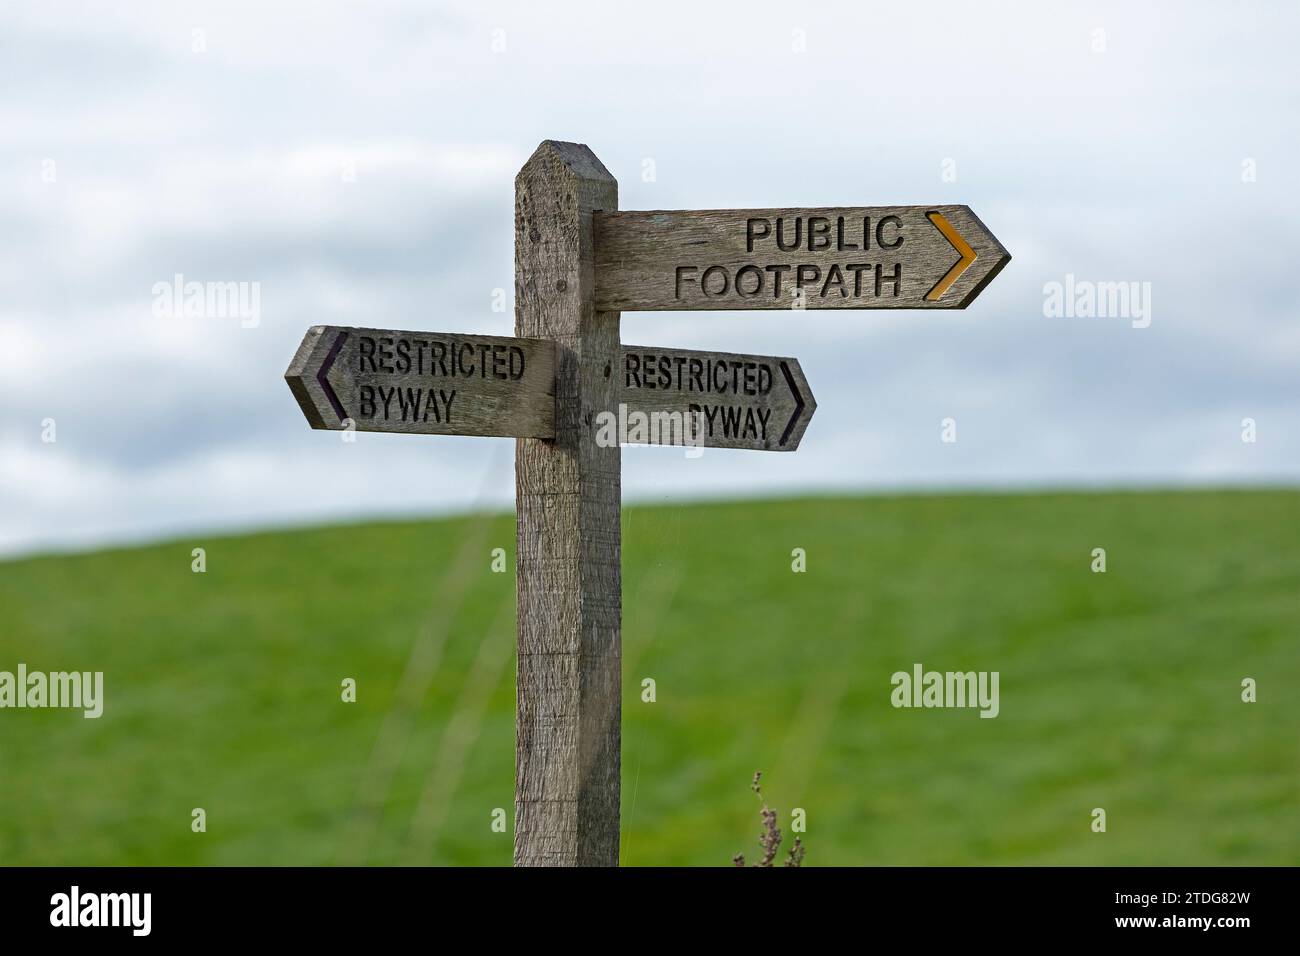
[[424, 383], [711, 399]]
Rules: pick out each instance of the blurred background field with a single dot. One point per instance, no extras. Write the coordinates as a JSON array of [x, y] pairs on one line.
[[1119, 690]]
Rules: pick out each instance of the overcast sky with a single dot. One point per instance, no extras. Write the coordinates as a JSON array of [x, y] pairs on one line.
[[356, 161]]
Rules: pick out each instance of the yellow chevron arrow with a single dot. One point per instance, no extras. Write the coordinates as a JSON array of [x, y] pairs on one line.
[[963, 249]]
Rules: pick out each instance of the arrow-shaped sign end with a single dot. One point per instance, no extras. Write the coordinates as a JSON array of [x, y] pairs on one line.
[[804, 405], [990, 255], [307, 370]]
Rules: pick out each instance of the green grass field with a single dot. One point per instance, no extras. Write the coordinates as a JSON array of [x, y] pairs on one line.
[[1119, 690]]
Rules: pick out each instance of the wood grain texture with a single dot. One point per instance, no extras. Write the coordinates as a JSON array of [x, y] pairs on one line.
[[424, 383], [568, 705], [716, 399], [638, 255]]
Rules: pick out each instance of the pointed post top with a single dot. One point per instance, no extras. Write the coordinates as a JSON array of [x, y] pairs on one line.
[[576, 160]]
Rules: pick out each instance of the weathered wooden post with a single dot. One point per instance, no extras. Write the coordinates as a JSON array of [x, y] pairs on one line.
[[568, 560]]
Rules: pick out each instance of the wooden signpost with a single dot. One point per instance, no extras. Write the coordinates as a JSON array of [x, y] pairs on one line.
[[571, 394]]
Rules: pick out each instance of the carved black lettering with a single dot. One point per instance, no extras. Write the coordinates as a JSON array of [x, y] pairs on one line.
[[819, 233], [777, 272], [749, 270], [683, 277], [731, 421], [896, 278], [880, 230], [710, 412], [697, 375], [720, 273], [780, 241], [834, 280], [807, 275], [408, 402], [841, 244], [857, 268], [366, 353]]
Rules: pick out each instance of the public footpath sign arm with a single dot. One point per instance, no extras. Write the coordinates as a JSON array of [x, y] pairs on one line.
[[863, 257]]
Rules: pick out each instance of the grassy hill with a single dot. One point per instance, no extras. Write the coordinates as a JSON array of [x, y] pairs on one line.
[[1119, 690]]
